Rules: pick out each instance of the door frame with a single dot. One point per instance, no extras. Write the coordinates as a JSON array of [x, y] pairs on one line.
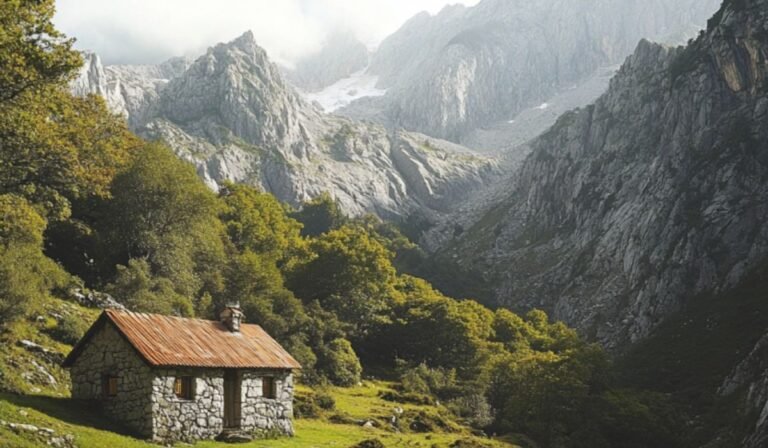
[[232, 399]]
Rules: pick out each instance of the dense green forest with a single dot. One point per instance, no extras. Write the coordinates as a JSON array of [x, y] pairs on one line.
[[84, 203]]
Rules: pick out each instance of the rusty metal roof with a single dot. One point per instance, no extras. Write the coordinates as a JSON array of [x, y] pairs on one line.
[[176, 341]]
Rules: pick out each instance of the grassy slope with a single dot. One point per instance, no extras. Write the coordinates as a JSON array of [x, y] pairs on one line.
[[17, 361], [92, 430], [35, 400]]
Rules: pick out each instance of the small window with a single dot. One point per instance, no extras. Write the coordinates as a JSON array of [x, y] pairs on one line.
[[182, 387], [268, 388], [108, 385]]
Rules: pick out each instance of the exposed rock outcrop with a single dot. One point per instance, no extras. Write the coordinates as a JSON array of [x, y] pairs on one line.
[[463, 68], [129, 90], [231, 114], [652, 195], [751, 376]]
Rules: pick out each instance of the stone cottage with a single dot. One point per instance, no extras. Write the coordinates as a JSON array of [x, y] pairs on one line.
[[171, 378]]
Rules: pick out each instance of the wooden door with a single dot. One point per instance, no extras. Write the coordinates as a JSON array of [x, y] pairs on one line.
[[232, 403]]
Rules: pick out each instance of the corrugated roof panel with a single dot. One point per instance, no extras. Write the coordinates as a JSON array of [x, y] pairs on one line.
[[177, 341]]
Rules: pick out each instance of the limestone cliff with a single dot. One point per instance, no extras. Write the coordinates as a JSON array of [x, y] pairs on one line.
[[629, 207], [464, 68], [231, 113]]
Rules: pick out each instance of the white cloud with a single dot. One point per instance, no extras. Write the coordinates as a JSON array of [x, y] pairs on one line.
[[148, 31]]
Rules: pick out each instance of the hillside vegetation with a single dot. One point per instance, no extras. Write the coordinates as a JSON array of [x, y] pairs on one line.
[[81, 425], [87, 206]]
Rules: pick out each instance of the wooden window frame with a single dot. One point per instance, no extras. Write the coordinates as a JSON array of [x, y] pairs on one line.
[[108, 385], [184, 387], [269, 387]]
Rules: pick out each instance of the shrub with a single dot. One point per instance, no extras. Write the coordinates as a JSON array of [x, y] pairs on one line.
[[370, 443], [26, 275], [305, 406], [69, 330], [474, 408], [468, 443], [424, 421], [325, 401], [341, 364], [423, 379], [344, 419]]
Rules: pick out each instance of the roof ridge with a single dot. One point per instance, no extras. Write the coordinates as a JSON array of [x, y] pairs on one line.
[[111, 311]]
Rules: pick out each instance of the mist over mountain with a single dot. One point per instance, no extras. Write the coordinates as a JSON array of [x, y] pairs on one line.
[[341, 55]]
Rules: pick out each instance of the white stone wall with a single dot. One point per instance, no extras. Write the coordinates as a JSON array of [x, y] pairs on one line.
[[202, 417], [109, 353], [260, 413]]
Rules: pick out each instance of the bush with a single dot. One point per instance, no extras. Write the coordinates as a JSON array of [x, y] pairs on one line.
[[469, 443], [325, 401], [138, 289], [305, 406], [424, 421], [370, 443], [26, 276], [69, 330], [311, 405], [20, 224], [428, 381], [25, 273], [344, 419], [474, 408], [341, 364]]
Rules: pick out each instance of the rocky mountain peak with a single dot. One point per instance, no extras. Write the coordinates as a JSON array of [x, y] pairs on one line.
[[92, 79], [246, 41], [244, 47], [647, 55], [231, 114], [235, 86]]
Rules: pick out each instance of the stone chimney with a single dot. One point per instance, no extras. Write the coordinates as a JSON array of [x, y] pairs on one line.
[[232, 317]]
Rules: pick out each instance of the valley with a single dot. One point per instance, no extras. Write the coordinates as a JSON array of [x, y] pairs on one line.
[[508, 224]]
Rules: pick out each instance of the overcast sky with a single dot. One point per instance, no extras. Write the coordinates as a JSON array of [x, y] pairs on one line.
[[150, 31]]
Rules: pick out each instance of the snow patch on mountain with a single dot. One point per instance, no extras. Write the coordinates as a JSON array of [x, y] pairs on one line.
[[360, 84]]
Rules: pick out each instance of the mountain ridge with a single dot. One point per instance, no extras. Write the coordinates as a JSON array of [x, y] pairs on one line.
[[232, 114], [453, 72], [615, 217]]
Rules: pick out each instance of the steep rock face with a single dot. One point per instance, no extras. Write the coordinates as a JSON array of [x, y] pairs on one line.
[[466, 67], [652, 195], [129, 90], [341, 55], [751, 375], [93, 79], [235, 87], [232, 115]]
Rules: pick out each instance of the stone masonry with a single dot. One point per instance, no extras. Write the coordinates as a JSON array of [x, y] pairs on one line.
[[203, 416], [109, 353], [146, 403]]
